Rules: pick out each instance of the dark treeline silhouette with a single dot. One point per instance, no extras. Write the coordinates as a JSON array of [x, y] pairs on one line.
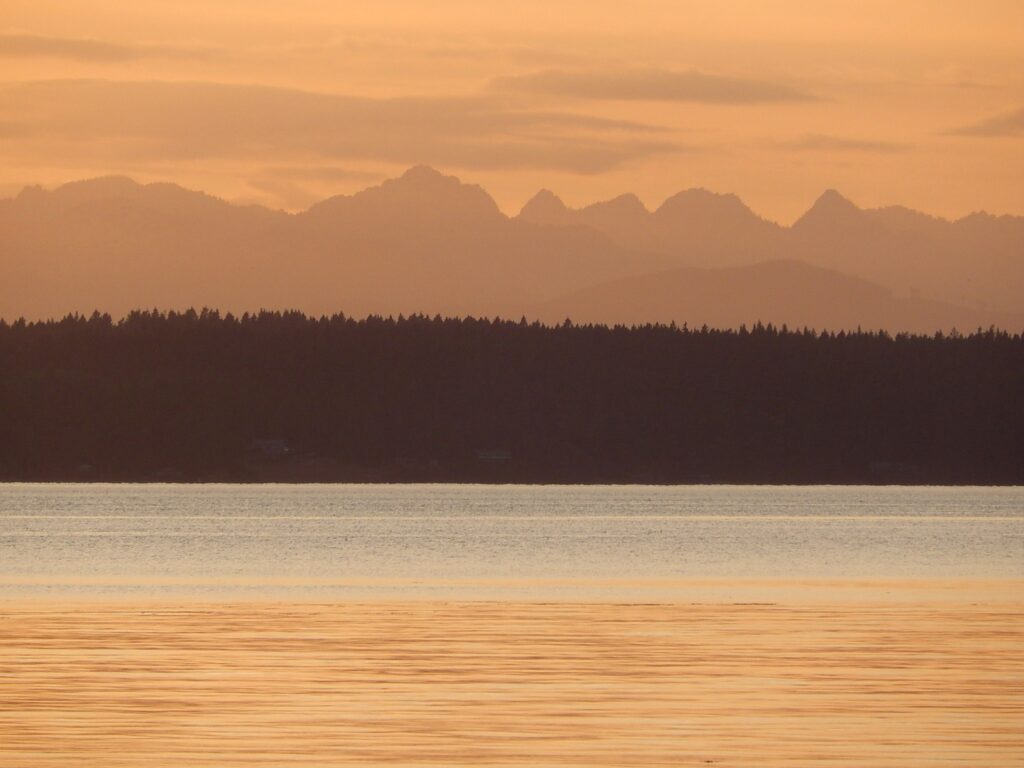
[[197, 396]]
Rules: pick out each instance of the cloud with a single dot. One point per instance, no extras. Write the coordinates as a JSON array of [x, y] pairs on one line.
[[18, 46], [1007, 124], [298, 187], [122, 122], [824, 143], [455, 48], [317, 173], [651, 85]]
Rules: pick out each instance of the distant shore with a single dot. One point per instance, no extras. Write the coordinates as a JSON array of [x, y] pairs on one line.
[[380, 478], [281, 397]]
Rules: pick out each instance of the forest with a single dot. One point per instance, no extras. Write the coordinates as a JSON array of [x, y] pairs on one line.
[[200, 397]]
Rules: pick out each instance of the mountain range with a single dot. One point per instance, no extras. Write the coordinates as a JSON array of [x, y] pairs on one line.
[[426, 242]]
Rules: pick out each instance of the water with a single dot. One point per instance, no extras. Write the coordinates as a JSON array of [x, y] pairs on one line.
[[510, 626], [452, 540]]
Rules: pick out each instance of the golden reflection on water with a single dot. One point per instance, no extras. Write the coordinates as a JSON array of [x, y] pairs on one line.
[[922, 681]]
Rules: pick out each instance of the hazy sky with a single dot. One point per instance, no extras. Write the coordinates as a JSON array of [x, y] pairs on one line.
[[912, 102]]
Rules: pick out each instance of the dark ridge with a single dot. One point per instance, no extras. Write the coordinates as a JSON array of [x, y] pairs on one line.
[[281, 396]]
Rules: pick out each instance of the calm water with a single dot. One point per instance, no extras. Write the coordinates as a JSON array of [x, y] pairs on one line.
[[438, 540]]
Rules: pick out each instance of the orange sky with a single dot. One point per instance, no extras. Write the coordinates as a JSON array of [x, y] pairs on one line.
[[920, 103]]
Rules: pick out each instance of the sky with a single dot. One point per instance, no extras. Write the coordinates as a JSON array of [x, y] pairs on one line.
[[283, 104]]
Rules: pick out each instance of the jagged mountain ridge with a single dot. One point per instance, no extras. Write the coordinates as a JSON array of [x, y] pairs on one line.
[[424, 242], [977, 260]]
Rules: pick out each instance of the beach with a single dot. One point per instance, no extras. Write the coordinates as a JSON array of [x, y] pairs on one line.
[[840, 674]]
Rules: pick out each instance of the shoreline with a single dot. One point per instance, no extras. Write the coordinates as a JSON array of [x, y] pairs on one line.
[[358, 480], [19, 591], [485, 483]]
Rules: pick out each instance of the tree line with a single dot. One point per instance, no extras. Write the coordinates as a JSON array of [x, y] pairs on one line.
[[279, 395]]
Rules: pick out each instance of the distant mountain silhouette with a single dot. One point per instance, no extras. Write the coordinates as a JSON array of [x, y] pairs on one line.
[[425, 242], [790, 293], [976, 261], [113, 243], [421, 193], [420, 243], [697, 227], [547, 208]]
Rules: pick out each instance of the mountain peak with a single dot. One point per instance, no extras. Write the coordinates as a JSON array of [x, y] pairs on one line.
[[623, 205], [111, 182], [84, 192], [545, 198], [423, 180], [829, 209], [702, 202], [424, 174], [99, 187], [832, 198], [421, 191], [545, 207]]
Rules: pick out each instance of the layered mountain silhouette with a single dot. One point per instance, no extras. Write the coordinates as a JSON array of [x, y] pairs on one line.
[[976, 261], [791, 293], [697, 227], [427, 243]]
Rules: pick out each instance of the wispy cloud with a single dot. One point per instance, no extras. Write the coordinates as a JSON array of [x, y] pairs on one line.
[[651, 85], [298, 187], [1007, 124], [317, 173], [139, 121], [817, 142], [23, 46]]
